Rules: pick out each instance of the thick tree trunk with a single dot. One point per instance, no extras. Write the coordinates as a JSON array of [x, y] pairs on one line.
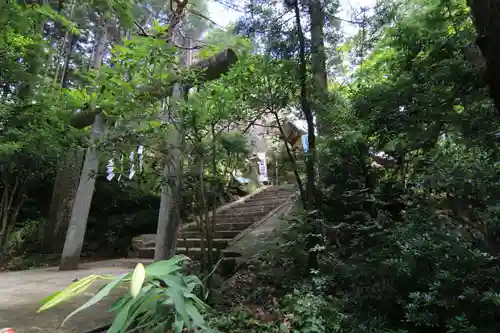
[[486, 15], [83, 199]]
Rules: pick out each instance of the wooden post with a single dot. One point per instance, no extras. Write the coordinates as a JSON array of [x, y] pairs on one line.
[[168, 217], [81, 207]]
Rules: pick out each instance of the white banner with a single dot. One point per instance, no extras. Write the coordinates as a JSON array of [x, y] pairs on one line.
[[262, 167]]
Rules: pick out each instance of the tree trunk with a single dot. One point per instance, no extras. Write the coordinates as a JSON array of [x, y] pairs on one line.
[[317, 98], [306, 110], [11, 200], [486, 15], [83, 199], [320, 89]]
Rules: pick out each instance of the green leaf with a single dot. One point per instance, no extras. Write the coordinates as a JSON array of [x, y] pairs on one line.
[[178, 324], [196, 300], [179, 303], [121, 317], [166, 267], [104, 292], [194, 314], [174, 281], [119, 303], [193, 280], [72, 290], [139, 305]]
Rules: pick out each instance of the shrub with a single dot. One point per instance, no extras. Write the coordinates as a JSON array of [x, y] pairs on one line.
[[161, 298]]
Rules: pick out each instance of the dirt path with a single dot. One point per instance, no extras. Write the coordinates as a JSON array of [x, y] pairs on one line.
[[21, 293]]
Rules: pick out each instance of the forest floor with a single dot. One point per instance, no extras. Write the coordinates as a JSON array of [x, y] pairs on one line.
[[21, 293]]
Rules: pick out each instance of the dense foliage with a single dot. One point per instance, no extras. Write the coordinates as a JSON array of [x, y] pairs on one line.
[[399, 224], [407, 211]]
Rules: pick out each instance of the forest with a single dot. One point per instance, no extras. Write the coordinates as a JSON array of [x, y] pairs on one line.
[[108, 119]]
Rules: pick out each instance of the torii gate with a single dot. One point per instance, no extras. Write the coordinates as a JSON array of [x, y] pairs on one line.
[[206, 70]]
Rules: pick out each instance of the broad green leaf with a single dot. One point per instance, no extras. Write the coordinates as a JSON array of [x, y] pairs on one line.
[[137, 279], [139, 304], [119, 303], [179, 303], [194, 314], [175, 281], [193, 280], [166, 267], [197, 300], [121, 317], [178, 324]]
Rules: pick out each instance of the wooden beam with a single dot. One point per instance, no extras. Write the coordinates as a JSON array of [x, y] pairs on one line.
[[83, 118], [206, 70], [214, 67]]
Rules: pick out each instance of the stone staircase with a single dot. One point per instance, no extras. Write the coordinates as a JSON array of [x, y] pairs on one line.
[[231, 220]]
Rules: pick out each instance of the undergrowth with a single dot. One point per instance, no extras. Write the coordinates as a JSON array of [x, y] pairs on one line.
[[392, 257]]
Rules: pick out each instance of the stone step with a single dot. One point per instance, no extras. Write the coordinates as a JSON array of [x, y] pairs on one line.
[[220, 226], [229, 223], [220, 234], [145, 252], [193, 253], [256, 203], [246, 211], [195, 242], [276, 195], [228, 220], [265, 203], [278, 192], [233, 226], [239, 218]]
